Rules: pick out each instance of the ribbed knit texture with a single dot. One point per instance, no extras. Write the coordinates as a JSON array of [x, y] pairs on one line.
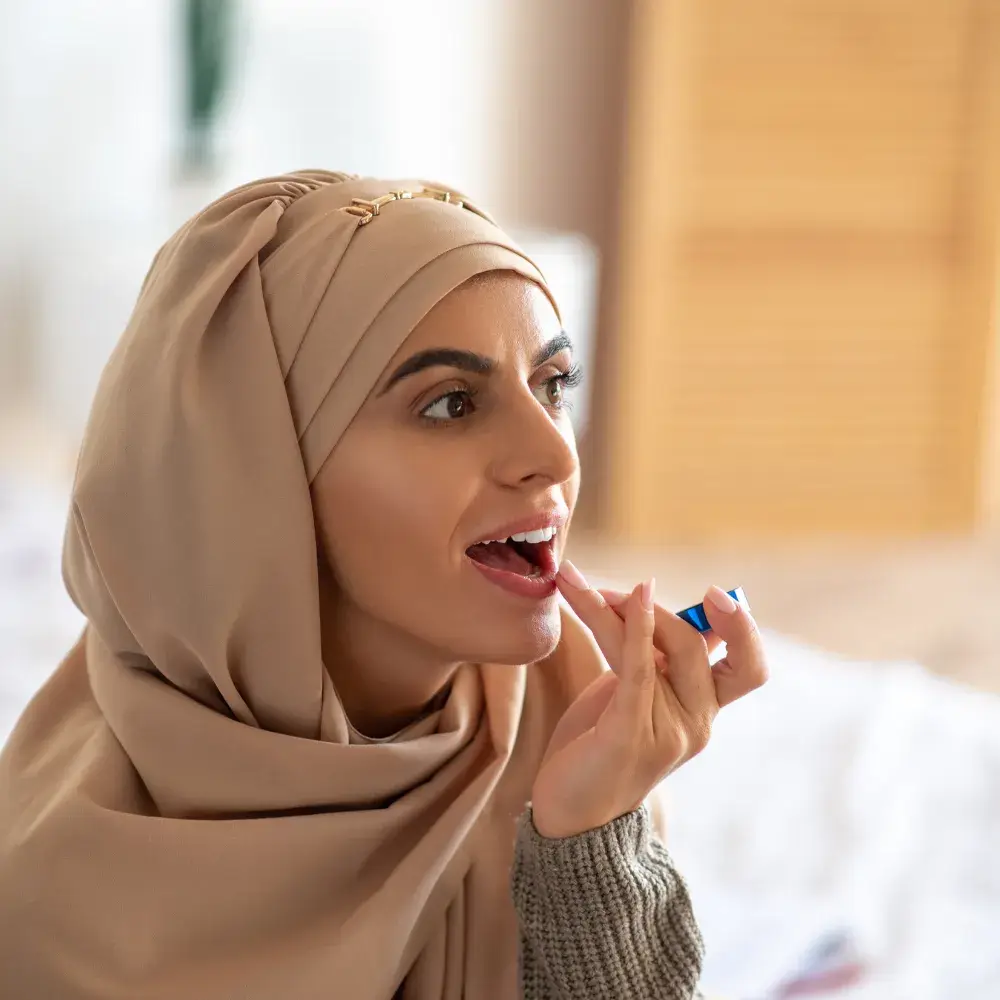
[[603, 915]]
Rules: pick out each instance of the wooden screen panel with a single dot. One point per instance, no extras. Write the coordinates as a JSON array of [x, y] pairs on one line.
[[807, 227]]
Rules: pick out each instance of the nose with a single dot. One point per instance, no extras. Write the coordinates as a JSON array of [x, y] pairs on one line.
[[532, 447]]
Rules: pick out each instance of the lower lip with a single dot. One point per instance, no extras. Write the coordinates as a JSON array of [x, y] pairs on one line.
[[536, 588]]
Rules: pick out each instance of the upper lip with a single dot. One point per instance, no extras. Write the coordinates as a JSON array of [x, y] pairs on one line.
[[554, 518]]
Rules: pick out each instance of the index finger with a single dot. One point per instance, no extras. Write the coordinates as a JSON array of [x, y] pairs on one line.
[[592, 609]]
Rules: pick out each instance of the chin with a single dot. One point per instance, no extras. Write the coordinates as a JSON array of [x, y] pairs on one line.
[[528, 640]]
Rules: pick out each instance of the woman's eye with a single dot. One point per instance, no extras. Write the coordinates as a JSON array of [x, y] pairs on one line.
[[554, 391], [452, 406]]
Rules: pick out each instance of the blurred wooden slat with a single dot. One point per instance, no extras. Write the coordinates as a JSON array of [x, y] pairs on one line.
[[809, 270]]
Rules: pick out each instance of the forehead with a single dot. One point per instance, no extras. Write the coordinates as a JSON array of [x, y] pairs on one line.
[[495, 314]]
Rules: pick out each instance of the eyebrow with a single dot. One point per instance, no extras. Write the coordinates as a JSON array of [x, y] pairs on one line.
[[469, 361]]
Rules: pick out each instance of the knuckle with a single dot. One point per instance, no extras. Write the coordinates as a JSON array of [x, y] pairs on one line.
[[644, 678], [699, 735], [759, 674], [756, 672], [676, 741]]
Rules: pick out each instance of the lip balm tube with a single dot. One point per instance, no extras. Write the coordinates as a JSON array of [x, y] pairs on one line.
[[696, 616]]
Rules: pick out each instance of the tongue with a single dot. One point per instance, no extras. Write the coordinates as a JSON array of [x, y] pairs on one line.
[[501, 555]]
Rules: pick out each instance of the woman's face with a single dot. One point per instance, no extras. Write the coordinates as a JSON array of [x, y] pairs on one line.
[[465, 440]]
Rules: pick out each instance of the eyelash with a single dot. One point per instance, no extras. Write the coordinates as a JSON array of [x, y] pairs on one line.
[[568, 379]]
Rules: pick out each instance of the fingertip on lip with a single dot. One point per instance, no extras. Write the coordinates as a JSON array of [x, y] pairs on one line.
[[572, 576]]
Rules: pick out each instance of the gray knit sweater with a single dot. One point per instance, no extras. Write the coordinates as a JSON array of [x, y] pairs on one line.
[[604, 914]]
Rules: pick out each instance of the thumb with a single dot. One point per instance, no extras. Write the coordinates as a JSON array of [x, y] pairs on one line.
[[744, 667]]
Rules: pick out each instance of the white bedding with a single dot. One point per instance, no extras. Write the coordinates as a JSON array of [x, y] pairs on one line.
[[861, 799]]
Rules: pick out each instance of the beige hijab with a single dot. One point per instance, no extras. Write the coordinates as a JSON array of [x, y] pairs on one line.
[[183, 810]]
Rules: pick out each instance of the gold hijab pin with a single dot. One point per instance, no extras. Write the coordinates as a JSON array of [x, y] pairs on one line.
[[367, 209]]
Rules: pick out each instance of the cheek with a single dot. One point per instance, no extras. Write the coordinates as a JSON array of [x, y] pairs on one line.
[[391, 516]]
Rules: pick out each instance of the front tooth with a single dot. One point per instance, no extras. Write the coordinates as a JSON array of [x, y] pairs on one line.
[[534, 537]]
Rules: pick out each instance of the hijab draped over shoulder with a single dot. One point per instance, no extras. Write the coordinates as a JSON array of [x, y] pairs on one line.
[[183, 812]]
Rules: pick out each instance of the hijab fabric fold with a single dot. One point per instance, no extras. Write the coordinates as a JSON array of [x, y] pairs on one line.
[[183, 809]]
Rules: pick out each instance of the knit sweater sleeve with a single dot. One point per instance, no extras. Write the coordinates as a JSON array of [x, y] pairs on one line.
[[603, 914]]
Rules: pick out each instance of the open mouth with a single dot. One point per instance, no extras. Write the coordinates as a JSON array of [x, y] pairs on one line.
[[531, 559]]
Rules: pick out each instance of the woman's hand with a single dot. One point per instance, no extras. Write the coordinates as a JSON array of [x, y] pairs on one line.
[[654, 711]]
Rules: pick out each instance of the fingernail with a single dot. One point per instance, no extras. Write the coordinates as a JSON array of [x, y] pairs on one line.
[[573, 576], [721, 600], [646, 593]]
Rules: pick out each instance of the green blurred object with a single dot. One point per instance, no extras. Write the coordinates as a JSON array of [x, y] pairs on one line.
[[207, 37]]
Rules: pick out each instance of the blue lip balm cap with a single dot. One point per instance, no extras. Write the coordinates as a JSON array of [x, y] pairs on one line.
[[696, 615]]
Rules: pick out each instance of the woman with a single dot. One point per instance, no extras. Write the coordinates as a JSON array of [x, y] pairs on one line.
[[315, 527]]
